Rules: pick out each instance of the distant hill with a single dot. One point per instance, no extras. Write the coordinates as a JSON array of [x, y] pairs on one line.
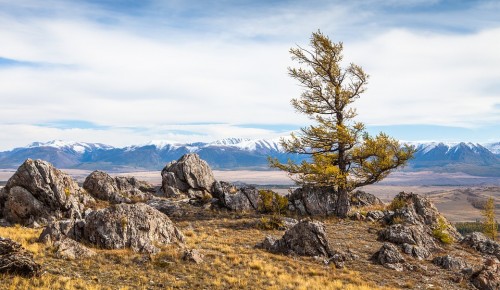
[[238, 153]]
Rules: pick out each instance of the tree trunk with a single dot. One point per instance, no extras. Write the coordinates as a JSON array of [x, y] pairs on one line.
[[342, 207]]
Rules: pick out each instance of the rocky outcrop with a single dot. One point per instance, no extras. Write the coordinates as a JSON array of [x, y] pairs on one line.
[[314, 201], [450, 263], [234, 198], [389, 257], [59, 230], [482, 244], [414, 239], [172, 208], [189, 176], [136, 226], [70, 249], [14, 259], [488, 278], [118, 189], [411, 208], [360, 198], [39, 193]]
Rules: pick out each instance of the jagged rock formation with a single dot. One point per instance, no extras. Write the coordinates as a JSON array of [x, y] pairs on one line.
[[39, 193], [117, 190], [450, 263], [389, 257], [59, 230], [488, 278], [413, 223], [415, 209], [360, 198], [414, 239], [237, 199], [189, 176], [14, 259], [482, 244], [314, 201]]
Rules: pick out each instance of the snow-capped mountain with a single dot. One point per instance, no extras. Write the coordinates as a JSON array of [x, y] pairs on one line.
[[234, 153]]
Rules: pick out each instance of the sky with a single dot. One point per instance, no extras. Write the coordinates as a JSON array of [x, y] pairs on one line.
[[127, 72]]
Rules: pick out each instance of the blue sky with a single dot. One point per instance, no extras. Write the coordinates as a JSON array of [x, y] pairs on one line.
[[126, 72]]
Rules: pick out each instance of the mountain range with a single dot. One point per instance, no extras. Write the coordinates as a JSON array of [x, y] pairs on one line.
[[238, 153]]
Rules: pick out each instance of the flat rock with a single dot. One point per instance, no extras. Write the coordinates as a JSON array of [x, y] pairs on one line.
[[70, 249], [450, 263]]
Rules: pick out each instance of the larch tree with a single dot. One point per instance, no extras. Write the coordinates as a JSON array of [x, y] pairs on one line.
[[490, 224], [342, 155]]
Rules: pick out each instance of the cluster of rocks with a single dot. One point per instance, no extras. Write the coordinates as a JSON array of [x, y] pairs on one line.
[[136, 226]]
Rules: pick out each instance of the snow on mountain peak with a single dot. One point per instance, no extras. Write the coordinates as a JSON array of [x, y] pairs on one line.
[[79, 147]]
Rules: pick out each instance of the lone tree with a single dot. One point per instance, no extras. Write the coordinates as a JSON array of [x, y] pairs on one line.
[[490, 224], [342, 155]]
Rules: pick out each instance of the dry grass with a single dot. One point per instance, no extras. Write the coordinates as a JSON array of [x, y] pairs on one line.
[[231, 262]]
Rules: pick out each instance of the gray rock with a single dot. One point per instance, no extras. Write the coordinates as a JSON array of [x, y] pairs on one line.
[[14, 259], [306, 238], [189, 176], [418, 210], [39, 193], [414, 239], [360, 198], [314, 201], [482, 244], [450, 263], [193, 256], [488, 278], [389, 257], [117, 190], [172, 208], [59, 230], [70, 249], [234, 198], [135, 226], [375, 215]]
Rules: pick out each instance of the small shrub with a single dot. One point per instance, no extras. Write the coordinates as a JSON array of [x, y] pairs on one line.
[[272, 202], [441, 232], [397, 203], [397, 220], [123, 222], [67, 192]]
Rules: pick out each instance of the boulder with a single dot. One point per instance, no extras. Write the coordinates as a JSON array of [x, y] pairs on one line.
[[482, 244], [70, 249], [389, 257], [314, 201], [375, 215], [306, 238], [360, 198], [136, 226], [488, 278], [39, 193], [172, 208], [450, 263], [414, 239], [117, 190], [189, 176], [234, 198], [14, 259]]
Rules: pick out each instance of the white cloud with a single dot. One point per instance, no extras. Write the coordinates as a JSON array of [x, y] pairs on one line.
[[231, 69]]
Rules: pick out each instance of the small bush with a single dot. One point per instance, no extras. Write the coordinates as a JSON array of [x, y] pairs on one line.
[[397, 203], [272, 202], [441, 232], [397, 220], [67, 192]]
